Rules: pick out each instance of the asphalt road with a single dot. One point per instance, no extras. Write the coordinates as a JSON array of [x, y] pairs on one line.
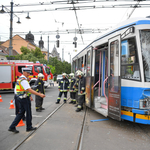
[[62, 130]]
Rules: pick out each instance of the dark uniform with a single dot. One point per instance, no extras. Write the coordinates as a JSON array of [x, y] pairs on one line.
[[76, 89], [81, 96], [17, 106], [63, 87], [39, 100], [72, 91]]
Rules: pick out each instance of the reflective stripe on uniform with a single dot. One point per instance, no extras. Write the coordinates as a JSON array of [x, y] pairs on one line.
[[79, 106]]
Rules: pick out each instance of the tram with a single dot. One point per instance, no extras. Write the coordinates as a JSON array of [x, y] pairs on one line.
[[117, 70]]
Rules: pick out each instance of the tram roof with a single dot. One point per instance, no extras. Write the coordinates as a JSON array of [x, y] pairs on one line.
[[123, 25]]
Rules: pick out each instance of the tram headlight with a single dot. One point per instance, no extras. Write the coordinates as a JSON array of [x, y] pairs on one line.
[[145, 103]]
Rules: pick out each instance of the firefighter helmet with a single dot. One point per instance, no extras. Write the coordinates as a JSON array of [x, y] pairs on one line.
[[64, 74], [79, 73], [40, 75], [71, 74]]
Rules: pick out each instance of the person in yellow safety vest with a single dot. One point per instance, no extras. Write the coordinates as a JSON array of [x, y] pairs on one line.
[[63, 88], [72, 89], [81, 91], [24, 91], [76, 87], [39, 87]]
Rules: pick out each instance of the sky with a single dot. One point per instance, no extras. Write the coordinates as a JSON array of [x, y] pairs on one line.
[[42, 22]]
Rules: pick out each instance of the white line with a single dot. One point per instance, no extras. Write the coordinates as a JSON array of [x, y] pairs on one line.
[[32, 116]]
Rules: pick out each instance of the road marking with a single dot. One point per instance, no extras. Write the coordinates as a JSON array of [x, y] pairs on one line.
[[32, 116]]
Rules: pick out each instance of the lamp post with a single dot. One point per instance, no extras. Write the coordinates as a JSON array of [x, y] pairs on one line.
[[70, 57], [11, 29], [48, 50], [11, 24]]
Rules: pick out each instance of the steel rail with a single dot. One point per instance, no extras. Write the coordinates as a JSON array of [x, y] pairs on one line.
[[80, 140]]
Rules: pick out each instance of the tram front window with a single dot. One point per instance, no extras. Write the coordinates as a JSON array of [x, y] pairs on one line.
[[145, 48]]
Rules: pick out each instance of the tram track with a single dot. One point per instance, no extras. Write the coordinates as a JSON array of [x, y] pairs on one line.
[[31, 133], [80, 139]]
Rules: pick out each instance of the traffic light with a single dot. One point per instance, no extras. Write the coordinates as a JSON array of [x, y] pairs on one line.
[[75, 44], [57, 43]]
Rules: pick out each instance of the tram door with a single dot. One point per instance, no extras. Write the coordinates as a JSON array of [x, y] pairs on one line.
[[89, 78], [114, 79]]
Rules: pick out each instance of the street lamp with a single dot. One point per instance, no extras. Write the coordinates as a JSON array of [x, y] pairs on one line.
[[28, 17], [11, 24], [2, 11]]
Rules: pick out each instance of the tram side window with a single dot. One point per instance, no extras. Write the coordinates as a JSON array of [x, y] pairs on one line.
[[129, 60], [89, 63], [76, 64]]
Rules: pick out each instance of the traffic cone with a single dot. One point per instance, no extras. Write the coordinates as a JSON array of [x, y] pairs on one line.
[[20, 123], [1, 99], [11, 105]]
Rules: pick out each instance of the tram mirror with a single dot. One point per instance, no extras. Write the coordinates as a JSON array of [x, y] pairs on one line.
[[132, 30]]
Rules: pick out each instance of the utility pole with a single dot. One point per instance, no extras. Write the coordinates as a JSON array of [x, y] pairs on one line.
[[48, 50], [62, 54], [11, 28]]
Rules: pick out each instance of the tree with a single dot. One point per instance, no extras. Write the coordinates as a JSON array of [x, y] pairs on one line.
[[52, 69]]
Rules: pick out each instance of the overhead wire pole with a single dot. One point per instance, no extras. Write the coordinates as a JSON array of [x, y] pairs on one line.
[[77, 21]]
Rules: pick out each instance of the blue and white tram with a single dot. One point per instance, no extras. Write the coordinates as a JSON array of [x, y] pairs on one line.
[[117, 70]]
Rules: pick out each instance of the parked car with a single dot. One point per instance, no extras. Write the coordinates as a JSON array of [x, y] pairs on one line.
[[59, 77]]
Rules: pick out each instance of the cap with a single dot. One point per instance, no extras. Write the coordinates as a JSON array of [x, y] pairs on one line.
[[26, 70]]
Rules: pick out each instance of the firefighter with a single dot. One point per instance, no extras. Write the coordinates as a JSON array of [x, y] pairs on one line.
[[72, 89], [24, 91], [39, 87], [81, 91], [63, 88], [76, 87]]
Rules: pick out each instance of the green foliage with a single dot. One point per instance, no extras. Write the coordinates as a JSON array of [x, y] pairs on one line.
[[56, 66], [60, 67], [52, 69]]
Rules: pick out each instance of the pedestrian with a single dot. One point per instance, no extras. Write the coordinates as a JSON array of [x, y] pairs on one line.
[[24, 91], [39, 87], [81, 91], [72, 89], [63, 88]]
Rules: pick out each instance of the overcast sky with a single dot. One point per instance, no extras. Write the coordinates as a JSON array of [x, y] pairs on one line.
[[101, 18]]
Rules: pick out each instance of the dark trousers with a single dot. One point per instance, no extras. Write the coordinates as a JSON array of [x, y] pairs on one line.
[[17, 105], [76, 97], [38, 102], [25, 106], [73, 95], [81, 100], [60, 94]]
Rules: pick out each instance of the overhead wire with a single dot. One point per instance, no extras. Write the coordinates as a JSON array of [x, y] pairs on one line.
[[78, 23]]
